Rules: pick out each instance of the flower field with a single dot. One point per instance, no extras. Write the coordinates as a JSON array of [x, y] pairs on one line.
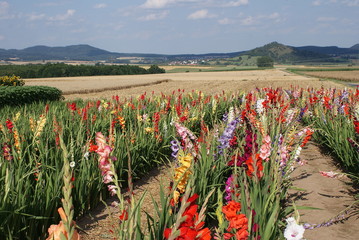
[[232, 156]]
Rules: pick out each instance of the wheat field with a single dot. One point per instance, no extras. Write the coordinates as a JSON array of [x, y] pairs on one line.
[[208, 82]]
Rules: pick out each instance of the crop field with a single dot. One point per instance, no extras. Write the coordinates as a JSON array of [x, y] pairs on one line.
[[349, 76], [232, 139], [208, 82]]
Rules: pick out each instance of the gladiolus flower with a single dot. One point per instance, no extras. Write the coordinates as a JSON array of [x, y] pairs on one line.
[[293, 231], [124, 215], [55, 231], [189, 228], [238, 222], [265, 149], [231, 209], [112, 189]]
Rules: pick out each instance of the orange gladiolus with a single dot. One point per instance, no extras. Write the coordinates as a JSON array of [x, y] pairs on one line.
[[231, 209], [237, 222]]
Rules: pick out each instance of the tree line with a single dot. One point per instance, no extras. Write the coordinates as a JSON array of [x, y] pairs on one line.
[[65, 70]]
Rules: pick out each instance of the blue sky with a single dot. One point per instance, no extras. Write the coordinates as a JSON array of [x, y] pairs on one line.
[[178, 26]]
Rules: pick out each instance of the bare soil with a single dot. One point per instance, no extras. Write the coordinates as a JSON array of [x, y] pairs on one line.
[[99, 222], [330, 196]]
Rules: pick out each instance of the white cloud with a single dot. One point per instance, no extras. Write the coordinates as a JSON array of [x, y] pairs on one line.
[[4, 6], [2, 37], [351, 3], [157, 3], [34, 16], [236, 3], [154, 16], [254, 20], [62, 17], [326, 19], [100, 5], [200, 14], [248, 21], [165, 3], [317, 3], [4, 10], [225, 21], [274, 16]]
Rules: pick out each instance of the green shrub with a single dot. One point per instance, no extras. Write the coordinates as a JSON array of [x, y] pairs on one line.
[[28, 94], [265, 61], [11, 81]]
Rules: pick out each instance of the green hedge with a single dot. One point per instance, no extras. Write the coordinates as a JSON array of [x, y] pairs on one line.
[[28, 94]]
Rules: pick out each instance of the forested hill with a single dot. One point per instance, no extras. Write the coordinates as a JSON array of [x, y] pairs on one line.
[[281, 53]]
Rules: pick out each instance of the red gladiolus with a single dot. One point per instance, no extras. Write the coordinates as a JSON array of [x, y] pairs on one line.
[[7, 152], [309, 133], [72, 106], [124, 215], [250, 166], [156, 120], [189, 230], [237, 222], [183, 118], [9, 125], [356, 125], [231, 209], [233, 142], [93, 147]]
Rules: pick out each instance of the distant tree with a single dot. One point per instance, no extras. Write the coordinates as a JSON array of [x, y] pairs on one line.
[[265, 62], [155, 69]]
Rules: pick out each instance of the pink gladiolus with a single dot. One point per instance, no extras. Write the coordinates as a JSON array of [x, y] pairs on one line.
[[283, 152], [104, 160], [112, 189], [265, 150], [100, 140], [108, 177]]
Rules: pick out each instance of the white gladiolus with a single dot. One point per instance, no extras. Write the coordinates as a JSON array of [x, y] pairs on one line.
[[293, 231], [259, 106]]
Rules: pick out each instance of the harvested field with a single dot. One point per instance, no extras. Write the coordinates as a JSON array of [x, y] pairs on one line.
[[348, 76], [209, 82]]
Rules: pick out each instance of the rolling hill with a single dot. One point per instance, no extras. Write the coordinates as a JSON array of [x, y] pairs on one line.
[[280, 53]]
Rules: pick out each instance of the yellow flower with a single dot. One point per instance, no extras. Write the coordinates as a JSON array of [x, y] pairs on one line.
[[17, 140], [17, 116], [32, 124], [183, 172], [40, 126], [104, 104], [185, 160], [149, 130], [176, 195], [122, 122]]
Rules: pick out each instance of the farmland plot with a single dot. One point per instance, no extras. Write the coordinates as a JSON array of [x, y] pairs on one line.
[[208, 82], [350, 76]]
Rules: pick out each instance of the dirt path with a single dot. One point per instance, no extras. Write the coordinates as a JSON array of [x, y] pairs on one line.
[[98, 223], [330, 195]]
